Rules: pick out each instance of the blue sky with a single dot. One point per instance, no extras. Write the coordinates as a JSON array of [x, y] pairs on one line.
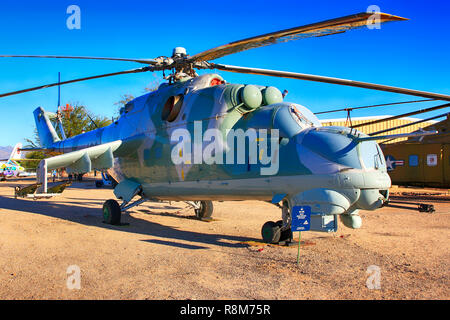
[[411, 54]]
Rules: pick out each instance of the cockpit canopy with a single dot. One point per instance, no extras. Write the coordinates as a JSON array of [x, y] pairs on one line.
[[288, 118], [341, 145]]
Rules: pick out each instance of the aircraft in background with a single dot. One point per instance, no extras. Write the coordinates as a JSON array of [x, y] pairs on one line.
[[9, 167]]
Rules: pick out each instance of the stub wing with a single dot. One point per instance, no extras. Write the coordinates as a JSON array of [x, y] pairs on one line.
[[98, 157]]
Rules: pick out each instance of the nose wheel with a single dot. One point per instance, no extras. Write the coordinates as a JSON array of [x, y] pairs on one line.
[[111, 212], [203, 209], [275, 233], [271, 232], [278, 232]]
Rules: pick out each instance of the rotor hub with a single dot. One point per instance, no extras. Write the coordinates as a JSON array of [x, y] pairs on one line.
[[179, 52]]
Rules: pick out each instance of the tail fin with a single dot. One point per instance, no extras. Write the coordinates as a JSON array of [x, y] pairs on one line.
[[46, 131], [16, 153]]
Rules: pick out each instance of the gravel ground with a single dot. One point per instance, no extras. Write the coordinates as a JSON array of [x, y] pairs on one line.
[[165, 253]]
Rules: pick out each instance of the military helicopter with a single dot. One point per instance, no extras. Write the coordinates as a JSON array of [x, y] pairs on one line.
[[171, 144]]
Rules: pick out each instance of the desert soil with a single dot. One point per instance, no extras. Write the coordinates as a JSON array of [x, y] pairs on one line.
[[165, 253]]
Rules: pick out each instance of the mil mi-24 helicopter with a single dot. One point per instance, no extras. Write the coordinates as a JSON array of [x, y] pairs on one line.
[[178, 142]]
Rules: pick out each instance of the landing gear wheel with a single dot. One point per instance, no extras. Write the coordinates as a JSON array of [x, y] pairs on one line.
[[111, 212], [286, 234], [271, 232], [205, 211]]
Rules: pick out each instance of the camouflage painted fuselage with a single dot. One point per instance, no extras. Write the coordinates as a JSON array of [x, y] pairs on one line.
[[325, 167]]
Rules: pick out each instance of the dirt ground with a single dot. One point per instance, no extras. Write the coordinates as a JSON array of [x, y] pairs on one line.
[[165, 253]]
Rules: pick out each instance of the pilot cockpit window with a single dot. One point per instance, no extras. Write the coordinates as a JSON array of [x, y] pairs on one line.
[[301, 120]]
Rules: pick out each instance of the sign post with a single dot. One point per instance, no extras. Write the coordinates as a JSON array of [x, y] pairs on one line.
[[301, 221]]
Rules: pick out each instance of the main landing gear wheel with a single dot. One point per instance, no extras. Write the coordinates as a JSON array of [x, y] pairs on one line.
[[286, 234], [205, 209], [111, 212], [271, 232]]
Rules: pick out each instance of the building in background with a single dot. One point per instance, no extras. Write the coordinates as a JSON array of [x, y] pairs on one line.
[[411, 161], [421, 162]]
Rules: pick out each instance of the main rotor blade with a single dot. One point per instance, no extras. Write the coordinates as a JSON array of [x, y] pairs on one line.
[[400, 135], [144, 69], [345, 82], [374, 106], [403, 115], [447, 114], [318, 29], [144, 61]]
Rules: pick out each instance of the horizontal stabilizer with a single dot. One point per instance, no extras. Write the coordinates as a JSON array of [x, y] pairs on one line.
[[34, 149]]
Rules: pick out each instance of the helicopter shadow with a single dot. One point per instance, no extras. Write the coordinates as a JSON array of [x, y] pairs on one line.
[[176, 214], [93, 217], [163, 207]]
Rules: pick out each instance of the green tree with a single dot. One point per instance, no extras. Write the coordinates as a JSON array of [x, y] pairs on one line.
[[81, 120], [32, 164]]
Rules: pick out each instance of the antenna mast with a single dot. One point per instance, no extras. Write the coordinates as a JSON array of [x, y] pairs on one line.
[[58, 112]]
